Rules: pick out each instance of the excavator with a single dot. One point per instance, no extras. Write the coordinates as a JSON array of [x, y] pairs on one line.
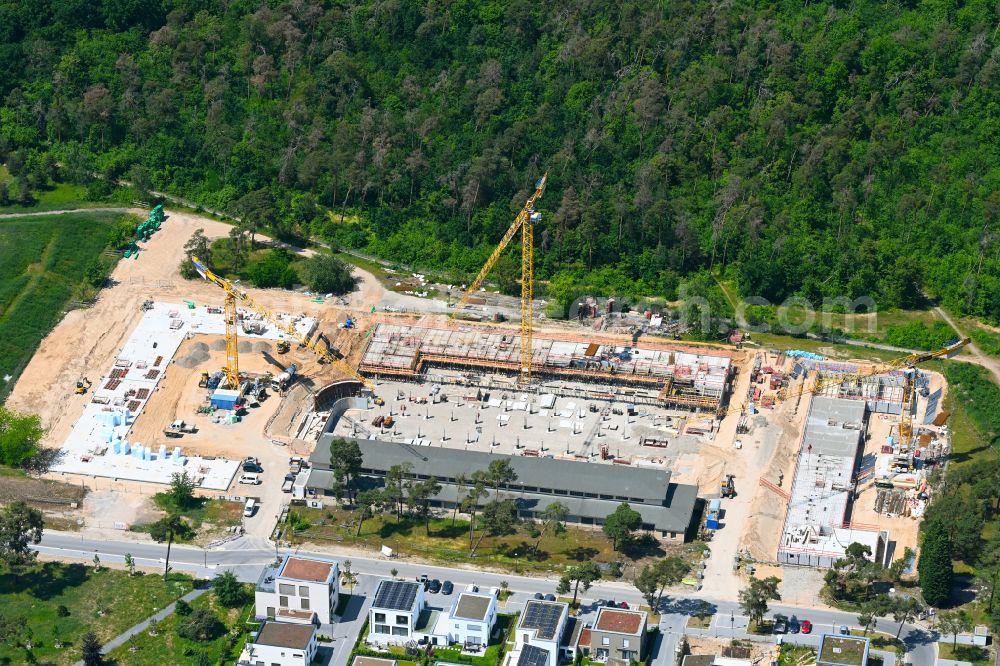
[[234, 296], [82, 385]]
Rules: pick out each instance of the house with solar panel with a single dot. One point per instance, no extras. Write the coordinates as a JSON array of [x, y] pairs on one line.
[[395, 613], [539, 633], [298, 589]]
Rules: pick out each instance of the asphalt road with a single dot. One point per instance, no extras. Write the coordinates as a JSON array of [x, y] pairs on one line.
[[247, 555]]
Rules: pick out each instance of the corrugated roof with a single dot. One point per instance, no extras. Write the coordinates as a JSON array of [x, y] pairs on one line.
[[651, 485]]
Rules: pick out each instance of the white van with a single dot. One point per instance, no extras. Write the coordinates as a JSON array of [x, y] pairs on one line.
[[250, 507], [250, 480]]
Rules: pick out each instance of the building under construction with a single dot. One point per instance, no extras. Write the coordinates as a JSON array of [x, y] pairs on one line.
[[681, 378]]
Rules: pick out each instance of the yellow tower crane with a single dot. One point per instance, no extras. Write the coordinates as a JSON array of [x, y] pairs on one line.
[[525, 223], [232, 296], [909, 384]]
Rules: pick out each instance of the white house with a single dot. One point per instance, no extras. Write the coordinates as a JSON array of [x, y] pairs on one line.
[[471, 618], [281, 644], [539, 630], [299, 589], [395, 612]]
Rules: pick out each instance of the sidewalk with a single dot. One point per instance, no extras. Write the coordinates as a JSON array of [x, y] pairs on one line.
[[120, 639]]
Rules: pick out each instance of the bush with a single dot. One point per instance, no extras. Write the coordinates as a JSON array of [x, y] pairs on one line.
[[272, 269], [228, 590], [201, 625], [326, 274], [916, 335], [182, 608]]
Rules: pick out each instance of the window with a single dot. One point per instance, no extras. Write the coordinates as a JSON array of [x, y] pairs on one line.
[[458, 626], [305, 603], [400, 631], [283, 602], [303, 590], [381, 629], [402, 619], [285, 588], [605, 640], [625, 642], [380, 617], [472, 627]]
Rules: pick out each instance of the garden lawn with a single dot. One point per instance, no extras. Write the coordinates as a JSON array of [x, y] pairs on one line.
[[449, 543], [971, 653], [42, 264], [169, 648], [106, 602], [796, 655]]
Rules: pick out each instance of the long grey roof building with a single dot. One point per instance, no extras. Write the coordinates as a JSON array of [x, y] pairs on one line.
[[590, 490]]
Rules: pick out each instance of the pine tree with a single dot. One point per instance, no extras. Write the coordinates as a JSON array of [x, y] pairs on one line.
[[934, 566]]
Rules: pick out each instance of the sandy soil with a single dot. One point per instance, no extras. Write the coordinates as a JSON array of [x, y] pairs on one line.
[[85, 342]]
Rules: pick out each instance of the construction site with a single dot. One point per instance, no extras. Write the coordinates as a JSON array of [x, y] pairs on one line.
[[791, 456]]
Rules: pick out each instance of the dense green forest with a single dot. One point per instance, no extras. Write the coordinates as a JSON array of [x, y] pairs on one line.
[[821, 149]]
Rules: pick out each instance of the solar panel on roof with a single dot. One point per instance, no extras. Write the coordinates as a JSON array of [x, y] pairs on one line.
[[395, 595], [533, 656], [542, 617]]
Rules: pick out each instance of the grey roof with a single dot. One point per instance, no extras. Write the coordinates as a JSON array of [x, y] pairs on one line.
[[470, 606], [650, 485], [673, 518], [543, 617], [532, 656], [397, 595], [834, 426]]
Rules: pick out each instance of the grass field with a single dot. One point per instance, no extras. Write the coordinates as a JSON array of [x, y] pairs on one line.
[[167, 647], [971, 653], [42, 265], [449, 543], [106, 602], [59, 196]]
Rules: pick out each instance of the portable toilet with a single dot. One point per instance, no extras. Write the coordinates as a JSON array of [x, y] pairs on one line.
[[714, 512]]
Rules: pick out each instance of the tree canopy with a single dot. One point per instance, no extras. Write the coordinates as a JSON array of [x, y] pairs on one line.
[[818, 149]]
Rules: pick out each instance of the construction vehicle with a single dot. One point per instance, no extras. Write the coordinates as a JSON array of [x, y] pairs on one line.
[[282, 381], [525, 223], [233, 295], [283, 347], [728, 486], [179, 429], [82, 385]]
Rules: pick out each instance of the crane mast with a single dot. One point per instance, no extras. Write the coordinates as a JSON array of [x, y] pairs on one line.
[[525, 223], [233, 294]]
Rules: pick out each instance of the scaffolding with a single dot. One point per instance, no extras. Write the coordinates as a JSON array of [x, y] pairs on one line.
[[693, 379]]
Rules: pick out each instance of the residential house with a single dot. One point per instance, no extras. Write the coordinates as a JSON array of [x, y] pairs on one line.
[[280, 644], [617, 634], [836, 650], [713, 660], [471, 618], [538, 634], [395, 612], [360, 660], [299, 589]]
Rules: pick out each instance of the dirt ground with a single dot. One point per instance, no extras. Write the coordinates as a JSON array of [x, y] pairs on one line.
[[716, 646], [86, 342]]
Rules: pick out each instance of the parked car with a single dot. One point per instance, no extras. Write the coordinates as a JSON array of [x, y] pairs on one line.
[[250, 480], [844, 631], [434, 586], [807, 627], [447, 587], [286, 486], [249, 507], [623, 604], [539, 595], [423, 578], [550, 597], [793, 626], [780, 624]]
